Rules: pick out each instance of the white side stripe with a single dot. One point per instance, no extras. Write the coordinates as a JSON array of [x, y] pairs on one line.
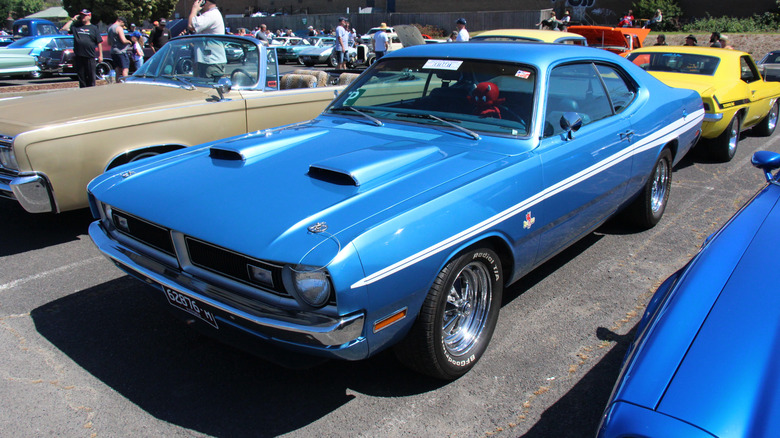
[[662, 136]]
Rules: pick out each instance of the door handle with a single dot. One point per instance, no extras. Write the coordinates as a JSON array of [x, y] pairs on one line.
[[626, 135]]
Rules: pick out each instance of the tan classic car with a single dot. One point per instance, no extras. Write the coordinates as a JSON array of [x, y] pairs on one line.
[[196, 89]]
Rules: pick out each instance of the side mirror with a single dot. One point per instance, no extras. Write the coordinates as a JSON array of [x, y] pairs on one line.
[[571, 123], [224, 85], [766, 161]]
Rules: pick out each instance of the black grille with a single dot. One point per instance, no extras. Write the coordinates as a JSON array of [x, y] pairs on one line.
[[228, 263], [143, 231]]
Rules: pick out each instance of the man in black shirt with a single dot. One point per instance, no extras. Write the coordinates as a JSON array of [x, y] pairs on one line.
[[86, 38], [159, 35]]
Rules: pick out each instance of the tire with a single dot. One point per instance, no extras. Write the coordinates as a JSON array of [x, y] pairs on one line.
[[648, 208], [35, 74], [457, 318], [767, 126], [724, 147], [333, 62], [300, 61], [308, 64], [102, 69]]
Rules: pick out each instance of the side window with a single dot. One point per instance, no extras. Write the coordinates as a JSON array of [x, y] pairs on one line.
[[748, 70], [620, 92], [575, 88]]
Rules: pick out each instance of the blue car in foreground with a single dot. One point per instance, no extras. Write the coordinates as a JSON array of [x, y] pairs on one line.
[[439, 176], [705, 359]]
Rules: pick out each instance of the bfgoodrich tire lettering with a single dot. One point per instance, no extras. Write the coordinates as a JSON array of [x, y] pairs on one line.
[[458, 317]]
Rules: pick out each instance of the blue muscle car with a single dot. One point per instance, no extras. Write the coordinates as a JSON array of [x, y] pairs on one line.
[[705, 359], [442, 174]]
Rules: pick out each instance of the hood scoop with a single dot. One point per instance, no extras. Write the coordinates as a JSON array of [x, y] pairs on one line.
[[365, 165], [239, 149]]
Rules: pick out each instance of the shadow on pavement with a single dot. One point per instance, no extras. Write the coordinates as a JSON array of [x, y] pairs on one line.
[[577, 414], [120, 334], [23, 231]]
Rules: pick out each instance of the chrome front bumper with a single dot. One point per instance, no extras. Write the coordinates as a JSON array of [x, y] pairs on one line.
[[32, 191], [304, 329]]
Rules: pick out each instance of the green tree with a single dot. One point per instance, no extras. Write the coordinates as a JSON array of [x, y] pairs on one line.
[[134, 10], [20, 8], [669, 8]]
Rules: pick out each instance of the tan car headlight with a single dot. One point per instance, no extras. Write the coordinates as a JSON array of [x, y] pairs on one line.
[[8, 159]]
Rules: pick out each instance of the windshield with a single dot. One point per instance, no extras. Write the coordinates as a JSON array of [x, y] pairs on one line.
[[481, 96], [676, 63], [203, 60]]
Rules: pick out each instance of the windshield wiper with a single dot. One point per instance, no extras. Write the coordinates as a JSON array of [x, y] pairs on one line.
[[376, 121], [473, 134], [187, 84]]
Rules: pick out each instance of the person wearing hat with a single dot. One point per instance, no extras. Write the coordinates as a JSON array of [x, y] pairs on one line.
[[690, 40], [342, 41], [715, 39], [205, 18], [379, 41], [86, 41], [160, 35], [463, 34], [312, 31], [724, 42], [121, 47]]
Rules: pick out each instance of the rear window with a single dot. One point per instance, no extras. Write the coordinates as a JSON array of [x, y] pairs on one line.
[[676, 63]]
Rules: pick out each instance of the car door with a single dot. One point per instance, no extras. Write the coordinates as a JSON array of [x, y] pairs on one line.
[[586, 173], [761, 92]]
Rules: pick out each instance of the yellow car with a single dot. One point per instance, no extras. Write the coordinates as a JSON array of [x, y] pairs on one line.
[[531, 35], [735, 96]]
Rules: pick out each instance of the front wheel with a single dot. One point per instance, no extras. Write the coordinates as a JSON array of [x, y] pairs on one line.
[[767, 126], [332, 61], [457, 318], [724, 147], [649, 207], [102, 69]]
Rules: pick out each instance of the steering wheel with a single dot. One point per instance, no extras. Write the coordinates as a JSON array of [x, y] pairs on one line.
[[184, 66], [241, 78]]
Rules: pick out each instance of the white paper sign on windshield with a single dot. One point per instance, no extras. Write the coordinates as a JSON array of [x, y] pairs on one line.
[[442, 64]]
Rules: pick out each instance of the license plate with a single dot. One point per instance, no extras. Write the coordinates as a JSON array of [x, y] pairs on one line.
[[190, 305]]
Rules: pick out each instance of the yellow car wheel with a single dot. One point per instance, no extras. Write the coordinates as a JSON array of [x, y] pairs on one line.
[[724, 146], [767, 126]]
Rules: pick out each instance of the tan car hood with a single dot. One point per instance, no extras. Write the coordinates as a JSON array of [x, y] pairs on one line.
[[75, 105]]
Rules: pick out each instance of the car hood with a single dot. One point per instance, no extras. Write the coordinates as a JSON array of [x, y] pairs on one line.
[[684, 80], [83, 104], [257, 194], [729, 382], [315, 50]]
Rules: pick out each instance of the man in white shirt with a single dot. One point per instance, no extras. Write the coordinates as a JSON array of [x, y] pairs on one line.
[[463, 34], [380, 41], [210, 56], [342, 42]]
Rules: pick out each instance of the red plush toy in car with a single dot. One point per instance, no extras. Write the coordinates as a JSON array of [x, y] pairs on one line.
[[485, 100]]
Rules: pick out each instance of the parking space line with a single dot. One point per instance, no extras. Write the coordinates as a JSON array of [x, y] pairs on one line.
[[47, 273]]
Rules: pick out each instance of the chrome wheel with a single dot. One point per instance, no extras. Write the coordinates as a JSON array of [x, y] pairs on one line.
[[733, 133], [660, 186], [466, 309], [771, 118]]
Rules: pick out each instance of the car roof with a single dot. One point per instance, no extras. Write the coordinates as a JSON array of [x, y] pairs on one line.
[[531, 52], [549, 36], [693, 50]]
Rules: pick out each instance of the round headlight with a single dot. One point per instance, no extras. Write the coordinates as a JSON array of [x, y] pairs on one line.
[[309, 284]]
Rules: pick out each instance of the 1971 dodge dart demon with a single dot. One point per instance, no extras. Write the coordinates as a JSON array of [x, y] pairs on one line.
[[53, 144], [704, 361], [442, 174], [735, 95]]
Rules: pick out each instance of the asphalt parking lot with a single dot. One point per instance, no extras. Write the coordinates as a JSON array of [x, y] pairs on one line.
[[88, 351]]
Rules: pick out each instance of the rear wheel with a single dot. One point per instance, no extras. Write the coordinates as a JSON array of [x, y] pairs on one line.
[[766, 127], [332, 61], [102, 69], [648, 208], [725, 145], [458, 317], [300, 61]]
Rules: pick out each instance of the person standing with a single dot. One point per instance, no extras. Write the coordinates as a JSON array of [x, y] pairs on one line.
[[160, 35], [380, 41], [660, 40], [262, 35], [86, 41], [463, 34], [690, 40], [715, 39], [342, 43], [120, 47], [724, 42], [137, 50], [205, 18], [210, 57]]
